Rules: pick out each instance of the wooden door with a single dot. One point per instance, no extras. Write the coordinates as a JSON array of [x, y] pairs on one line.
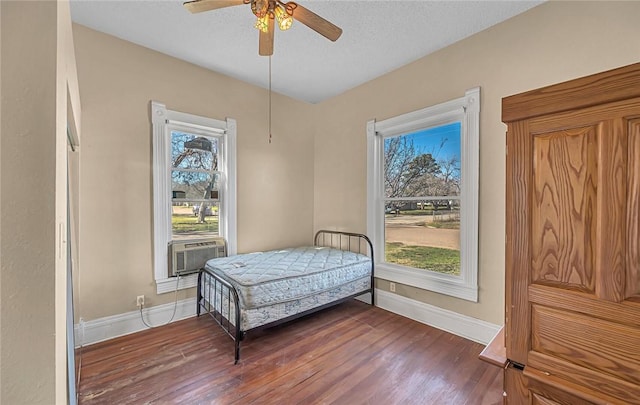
[[573, 235]]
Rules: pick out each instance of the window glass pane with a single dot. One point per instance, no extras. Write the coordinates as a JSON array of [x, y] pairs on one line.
[[194, 185], [194, 178], [199, 220], [424, 235], [423, 163], [189, 151]]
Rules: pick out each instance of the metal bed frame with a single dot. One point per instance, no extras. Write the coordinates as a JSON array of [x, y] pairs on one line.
[[217, 287]]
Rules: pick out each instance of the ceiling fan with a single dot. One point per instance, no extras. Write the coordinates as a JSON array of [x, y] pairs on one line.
[[270, 13]]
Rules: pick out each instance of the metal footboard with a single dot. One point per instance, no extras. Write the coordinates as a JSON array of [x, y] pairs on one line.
[[213, 294], [220, 300]]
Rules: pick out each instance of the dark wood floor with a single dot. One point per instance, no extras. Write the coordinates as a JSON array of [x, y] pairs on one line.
[[350, 354]]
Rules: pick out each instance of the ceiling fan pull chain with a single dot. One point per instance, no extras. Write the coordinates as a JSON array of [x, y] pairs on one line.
[[269, 98]]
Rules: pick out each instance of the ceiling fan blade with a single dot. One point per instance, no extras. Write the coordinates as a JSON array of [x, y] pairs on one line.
[[265, 47], [315, 22], [198, 6]]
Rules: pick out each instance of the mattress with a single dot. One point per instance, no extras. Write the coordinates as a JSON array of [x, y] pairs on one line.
[[253, 318], [289, 275]]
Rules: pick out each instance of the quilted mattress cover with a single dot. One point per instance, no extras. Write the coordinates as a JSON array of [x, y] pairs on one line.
[[278, 276]]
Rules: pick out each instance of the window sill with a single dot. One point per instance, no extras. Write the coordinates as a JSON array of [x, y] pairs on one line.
[[166, 285], [439, 283]]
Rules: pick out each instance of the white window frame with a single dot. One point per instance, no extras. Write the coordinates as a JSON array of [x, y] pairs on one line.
[[467, 111], [163, 120]]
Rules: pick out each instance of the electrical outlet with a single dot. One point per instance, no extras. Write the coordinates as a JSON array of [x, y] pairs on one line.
[[140, 300], [392, 287]]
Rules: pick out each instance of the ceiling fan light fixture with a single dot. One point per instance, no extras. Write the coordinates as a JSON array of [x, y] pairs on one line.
[[262, 23], [284, 19], [260, 7]]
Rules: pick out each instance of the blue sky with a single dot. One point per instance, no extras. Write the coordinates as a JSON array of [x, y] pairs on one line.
[[430, 141]]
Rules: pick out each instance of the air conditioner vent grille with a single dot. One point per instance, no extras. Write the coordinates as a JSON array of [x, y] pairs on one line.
[[185, 257]]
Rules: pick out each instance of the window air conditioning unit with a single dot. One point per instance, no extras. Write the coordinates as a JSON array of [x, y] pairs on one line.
[[190, 256]]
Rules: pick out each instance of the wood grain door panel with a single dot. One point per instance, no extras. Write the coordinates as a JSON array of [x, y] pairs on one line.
[[606, 347], [559, 370], [624, 313], [612, 211], [579, 209], [543, 387], [565, 184]]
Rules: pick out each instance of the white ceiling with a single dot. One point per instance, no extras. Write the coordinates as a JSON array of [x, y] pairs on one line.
[[378, 37]]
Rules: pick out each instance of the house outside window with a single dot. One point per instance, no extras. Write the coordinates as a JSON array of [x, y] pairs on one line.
[[422, 204], [194, 185]]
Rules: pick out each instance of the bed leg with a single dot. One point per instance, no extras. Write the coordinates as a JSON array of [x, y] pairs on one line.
[[199, 294], [373, 286], [237, 353]]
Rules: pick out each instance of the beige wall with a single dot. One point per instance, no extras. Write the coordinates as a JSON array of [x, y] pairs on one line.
[[551, 43], [117, 81], [27, 217]]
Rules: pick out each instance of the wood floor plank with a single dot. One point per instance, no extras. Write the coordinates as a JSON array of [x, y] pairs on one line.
[[350, 354]]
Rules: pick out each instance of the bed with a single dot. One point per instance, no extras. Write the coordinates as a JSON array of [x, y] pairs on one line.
[[259, 290]]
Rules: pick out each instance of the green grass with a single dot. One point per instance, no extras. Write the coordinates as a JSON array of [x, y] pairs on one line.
[[446, 261], [189, 223]]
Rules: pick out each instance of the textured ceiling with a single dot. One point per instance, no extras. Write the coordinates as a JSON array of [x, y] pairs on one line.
[[378, 37]]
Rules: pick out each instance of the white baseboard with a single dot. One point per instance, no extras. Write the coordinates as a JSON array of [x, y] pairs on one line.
[[470, 328], [110, 327]]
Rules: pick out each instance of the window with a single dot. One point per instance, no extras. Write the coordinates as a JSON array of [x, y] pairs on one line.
[[422, 195], [194, 186]]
